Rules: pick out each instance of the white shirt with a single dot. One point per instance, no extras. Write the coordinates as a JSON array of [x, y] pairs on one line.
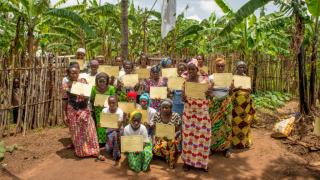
[[218, 92], [151, 112], [128, 131]]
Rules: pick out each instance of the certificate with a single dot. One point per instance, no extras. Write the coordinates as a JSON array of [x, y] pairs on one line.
[[81, 89], [165, 130], [144, 115], [243, 82], [196, 90], [222, 79], [169, 72], [126, 107], [132, 143], [143, 73], [110, 70], [130, 80], [109, 120], [91, 80], [79, 61], [175, 83], [158, 92], [101, 100]]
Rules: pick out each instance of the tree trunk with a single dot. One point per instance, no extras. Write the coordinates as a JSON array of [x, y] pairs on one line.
[[304, 106], [13, 47], [30, 39], [145, 47], [312, 92], [124, 29]]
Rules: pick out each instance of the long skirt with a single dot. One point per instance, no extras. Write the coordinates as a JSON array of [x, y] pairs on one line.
[[196, 133], [83, 132], [140, 161], [167, 149], [220, 114], [113, 143], [101, 132], [243, 114]]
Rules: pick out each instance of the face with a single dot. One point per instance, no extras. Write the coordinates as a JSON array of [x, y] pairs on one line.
[[136, 122], [220, 66], [200, 60], [241, 69], [16, 83], [144, 103], [154, 75], [113, 104], [102, 82], [192, 70], [74, 73], [100, 60], [181, 69], [80, 55], [119, 61], [128, 68], [143, 61], [131, 99], [94, 68], [166, 109]]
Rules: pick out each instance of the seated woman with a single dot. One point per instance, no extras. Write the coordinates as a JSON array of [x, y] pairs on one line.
[[243, 112], [138, 160], [113, 135], [102, 87], [163, 147], [145, 105]]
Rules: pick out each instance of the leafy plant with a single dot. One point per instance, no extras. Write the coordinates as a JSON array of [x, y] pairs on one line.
[[270, 100]]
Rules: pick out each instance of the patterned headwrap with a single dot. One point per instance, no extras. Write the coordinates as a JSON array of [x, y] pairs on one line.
[[193, 61], [132, 94], [146, 97], [220, 60], [166, 101], [165, 62], [81, 50], [155, 69], [134, 114], [240, 62]]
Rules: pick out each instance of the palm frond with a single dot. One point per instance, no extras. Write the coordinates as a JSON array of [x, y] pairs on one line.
[[59, 3], [242, 13], [67, 32], [224, 6]]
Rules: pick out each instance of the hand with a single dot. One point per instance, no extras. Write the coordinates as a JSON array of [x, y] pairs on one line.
[[66, 120], [146, 124], [119, 124], [202, 72]]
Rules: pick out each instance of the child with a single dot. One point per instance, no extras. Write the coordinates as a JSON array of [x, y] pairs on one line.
[[178, 105], [145, 102]]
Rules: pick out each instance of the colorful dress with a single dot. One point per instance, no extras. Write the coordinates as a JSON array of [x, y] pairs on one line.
[[139, 161], [150, 82], [81, 126], [196, 133], [164, 147], [220, 114], [101, 132], [243, 114]]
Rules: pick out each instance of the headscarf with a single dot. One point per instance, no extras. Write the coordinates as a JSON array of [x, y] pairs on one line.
[[132, 94], [220, 60], [134, 114], [193, 61], [155, 69], [240, 62], [166, 101], [146, 97], [165, 62], [81, 50], [99, 76]]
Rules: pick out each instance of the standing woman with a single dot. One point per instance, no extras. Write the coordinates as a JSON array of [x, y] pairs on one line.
[[78, 118], [143, 62], [155, 81], [243, 112], [102, 87], [196, 126], [164, 147], [220, 109]]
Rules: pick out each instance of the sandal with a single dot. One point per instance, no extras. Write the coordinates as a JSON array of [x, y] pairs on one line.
[[227, 153], [101, 158], [206, 169], [70, 146], [186, 167]]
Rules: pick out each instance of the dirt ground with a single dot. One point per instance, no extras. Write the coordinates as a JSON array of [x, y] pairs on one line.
[[44, 156]]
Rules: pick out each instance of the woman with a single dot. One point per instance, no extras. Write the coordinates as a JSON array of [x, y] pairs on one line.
[[138, 160], [220, 108], [145, 102], [196, 126], [102, 87], [163, 147], [243, 112], [113, 135], [143, 62], [77, 116], [155, 81], [177, 99], [201, 65]]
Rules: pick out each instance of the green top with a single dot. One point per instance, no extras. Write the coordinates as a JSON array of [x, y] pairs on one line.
[[110, 91]]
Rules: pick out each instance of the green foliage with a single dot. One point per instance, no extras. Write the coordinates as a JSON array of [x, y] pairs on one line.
[[2, 150], [314, 7], [224, 6], [270, 100]]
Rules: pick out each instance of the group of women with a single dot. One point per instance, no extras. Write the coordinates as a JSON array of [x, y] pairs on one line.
[[203, 127]]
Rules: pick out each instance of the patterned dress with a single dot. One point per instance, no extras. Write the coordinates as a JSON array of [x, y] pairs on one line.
[[81, 125], [101, 132], [243, 114], [150, 82], [196, 133], [164, 147], [220, 114]]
